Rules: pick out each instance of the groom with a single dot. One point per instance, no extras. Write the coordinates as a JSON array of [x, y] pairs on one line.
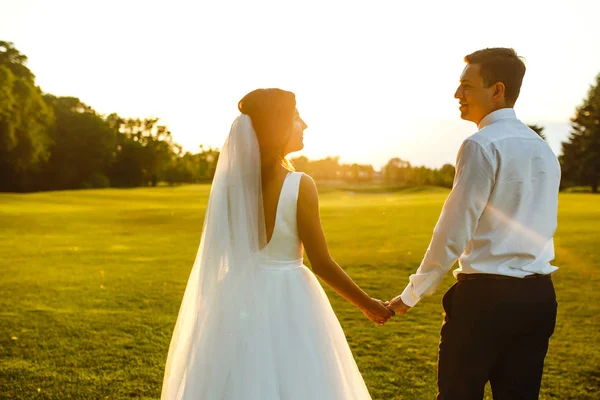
[[498, 221]]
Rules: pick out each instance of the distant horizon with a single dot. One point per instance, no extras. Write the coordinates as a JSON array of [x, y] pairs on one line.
[[372, 81], [556, 132]]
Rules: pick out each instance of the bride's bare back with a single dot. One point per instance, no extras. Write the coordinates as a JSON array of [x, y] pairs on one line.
[[272, 184]]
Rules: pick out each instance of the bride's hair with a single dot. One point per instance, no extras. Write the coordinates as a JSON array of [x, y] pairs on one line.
[[272, 112]]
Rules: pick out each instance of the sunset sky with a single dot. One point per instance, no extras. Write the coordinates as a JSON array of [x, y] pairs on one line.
[[373, 79]]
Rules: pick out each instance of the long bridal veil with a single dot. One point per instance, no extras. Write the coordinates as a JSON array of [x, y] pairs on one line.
[[215, 319], [252, 325]]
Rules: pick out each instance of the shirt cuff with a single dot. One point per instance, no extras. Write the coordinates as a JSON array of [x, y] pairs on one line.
[[409, 296]]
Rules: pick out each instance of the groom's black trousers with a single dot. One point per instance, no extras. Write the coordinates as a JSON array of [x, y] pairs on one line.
[[496, 329]]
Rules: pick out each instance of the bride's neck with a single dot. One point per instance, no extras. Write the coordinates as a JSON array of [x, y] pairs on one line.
[[271, 171]]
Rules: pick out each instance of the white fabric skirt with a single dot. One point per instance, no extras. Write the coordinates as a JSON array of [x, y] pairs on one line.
[[291, 347]]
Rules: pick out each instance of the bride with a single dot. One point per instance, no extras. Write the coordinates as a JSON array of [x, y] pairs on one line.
[[254, 323]]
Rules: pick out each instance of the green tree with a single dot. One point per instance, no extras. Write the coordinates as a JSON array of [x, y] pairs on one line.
[[539, 130], [301, 164], [83, 146], [580, 159], [206, 164], [199, 167], [445, 176], [15, 61], [181, 168], [144, 151], [326, 169], [398, 170], [25, 119]]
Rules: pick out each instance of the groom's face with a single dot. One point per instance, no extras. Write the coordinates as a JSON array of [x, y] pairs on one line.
[[475, 99]]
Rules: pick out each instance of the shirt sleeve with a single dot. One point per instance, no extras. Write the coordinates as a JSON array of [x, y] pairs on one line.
[[473, 183]]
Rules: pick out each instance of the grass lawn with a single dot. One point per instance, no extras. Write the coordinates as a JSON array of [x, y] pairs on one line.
[[91, 282]]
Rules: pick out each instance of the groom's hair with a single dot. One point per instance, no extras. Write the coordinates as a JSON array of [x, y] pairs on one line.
[[500, 64]]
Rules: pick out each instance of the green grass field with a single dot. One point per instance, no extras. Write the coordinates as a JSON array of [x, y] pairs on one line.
[[91, 282]]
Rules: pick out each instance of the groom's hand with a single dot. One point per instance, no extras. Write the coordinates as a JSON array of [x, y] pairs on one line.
[[397, 305]]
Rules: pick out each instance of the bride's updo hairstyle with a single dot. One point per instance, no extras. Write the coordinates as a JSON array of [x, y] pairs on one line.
[[272, 112]]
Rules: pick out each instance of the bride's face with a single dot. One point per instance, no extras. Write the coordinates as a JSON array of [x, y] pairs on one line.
[[295, 142]]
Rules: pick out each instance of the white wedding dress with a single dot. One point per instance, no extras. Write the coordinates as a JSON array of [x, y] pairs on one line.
[[272, 335]]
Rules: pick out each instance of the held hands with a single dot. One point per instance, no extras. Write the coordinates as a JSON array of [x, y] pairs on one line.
[[377, 312], [380, 312]]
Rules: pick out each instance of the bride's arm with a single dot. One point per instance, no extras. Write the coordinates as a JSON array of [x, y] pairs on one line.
[[313, 238]]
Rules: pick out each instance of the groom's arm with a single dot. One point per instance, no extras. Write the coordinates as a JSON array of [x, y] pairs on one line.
[[473, 183]]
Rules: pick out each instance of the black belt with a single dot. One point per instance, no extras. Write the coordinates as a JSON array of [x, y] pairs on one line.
[[470, 277]]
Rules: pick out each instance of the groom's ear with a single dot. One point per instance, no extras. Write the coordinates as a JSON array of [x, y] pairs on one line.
[[499, 91]]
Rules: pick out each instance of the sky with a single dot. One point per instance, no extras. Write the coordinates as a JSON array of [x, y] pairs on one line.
[[373, 79]]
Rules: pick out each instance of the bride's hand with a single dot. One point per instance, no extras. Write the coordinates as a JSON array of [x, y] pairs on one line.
[[377, 312]]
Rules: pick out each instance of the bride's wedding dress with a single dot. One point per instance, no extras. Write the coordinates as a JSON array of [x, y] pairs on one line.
[[259, 328]]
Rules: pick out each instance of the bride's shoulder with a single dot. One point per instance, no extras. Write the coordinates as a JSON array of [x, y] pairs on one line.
[[307, 183], [307, 192]]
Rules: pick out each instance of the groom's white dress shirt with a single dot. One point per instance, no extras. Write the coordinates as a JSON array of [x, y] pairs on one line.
[[500, 216]]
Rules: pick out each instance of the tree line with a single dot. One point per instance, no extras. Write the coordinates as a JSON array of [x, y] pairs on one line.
[[54, 143]]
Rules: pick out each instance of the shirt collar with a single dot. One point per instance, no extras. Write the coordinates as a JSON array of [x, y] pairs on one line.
[[503, 113]]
